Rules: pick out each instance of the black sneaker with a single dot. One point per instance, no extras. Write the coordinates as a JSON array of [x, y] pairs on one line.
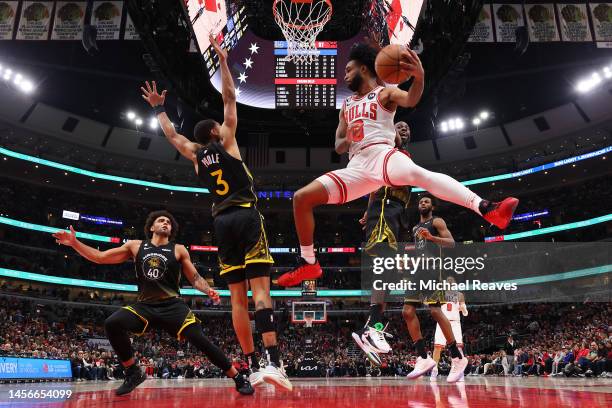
[[133, 378], [243, 386]]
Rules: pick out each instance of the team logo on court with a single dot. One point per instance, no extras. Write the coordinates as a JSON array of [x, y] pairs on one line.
[[154, 267]]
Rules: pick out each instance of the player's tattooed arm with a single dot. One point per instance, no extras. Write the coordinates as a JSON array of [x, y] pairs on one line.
[[342, 141], [185, 147], [111, 256], [192, 275]]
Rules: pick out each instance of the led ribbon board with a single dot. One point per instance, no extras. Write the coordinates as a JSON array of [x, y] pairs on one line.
[[127, 180]]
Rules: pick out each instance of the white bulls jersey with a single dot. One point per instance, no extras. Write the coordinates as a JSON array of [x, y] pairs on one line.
[[451, 307], [368, 121]]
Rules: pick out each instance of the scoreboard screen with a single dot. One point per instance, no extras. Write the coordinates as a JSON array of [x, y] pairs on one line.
[[307, 85]]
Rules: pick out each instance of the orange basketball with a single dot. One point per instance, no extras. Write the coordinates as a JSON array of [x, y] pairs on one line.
[[388, 64]]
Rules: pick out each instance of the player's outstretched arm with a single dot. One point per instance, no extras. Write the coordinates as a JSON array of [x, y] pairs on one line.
[[185, 147], [111, 256], [410, 64], [228, 93], [192, 275], [343, 142]]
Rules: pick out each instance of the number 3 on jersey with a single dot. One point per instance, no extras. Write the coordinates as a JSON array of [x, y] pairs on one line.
[[220, 182]]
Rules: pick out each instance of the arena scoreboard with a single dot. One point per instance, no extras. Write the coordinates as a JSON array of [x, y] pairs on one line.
[[306, 85]]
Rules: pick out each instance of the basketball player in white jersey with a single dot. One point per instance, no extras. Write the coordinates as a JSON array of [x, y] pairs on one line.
[[455, 304], [367, 133]]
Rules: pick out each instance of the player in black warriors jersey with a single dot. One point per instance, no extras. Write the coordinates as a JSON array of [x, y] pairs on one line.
[[158, 262], [244, 256], [384, 220], [430, 235]]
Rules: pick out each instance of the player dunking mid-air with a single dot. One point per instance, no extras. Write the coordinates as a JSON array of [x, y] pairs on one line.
[[244, 256], [455, 303], [431, 235], [158, 261], [366, 132], [383, 220]]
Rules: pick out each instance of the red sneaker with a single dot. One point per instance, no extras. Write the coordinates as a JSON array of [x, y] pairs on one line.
[[500, 214], [303, 271]]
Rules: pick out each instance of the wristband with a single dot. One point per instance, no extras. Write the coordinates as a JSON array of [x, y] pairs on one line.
[[159, 109]]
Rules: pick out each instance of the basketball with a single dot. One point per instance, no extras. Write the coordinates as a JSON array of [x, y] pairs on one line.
[[388, 64]]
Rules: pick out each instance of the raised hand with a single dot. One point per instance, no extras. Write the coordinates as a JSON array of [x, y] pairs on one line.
[[222, 53], [151, 95], [65, 237], [411, 64]]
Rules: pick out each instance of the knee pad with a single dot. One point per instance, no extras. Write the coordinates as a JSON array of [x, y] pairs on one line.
[[264, 320]]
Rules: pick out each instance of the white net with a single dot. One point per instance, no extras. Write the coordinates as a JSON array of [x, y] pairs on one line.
[[301, 21]]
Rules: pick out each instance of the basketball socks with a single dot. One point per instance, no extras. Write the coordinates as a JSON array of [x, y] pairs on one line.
[[307, 252], [273, 356], [454, 350], [252, 361], [376, 315], [419, 345]]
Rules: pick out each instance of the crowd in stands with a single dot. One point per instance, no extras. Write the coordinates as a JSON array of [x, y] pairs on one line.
[[36, 251], [546, 339]]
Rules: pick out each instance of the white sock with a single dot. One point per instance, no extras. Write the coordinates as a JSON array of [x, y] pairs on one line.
[[307, 252]]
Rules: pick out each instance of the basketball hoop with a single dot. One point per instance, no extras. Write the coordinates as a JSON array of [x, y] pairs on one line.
[[301, 21], [308, 321]]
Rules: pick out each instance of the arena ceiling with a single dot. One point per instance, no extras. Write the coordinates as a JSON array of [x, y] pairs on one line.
[[485, 76]]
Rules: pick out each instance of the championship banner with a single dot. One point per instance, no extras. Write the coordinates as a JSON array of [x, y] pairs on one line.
[[106, 16], [130, 32], [69, 19], [8, 10], [602, 21], [34, 22], [507, 18], [541, 22], [574, 22], [483, 29]]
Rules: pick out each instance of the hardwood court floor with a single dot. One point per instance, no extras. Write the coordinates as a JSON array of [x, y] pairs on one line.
[[476, 392]]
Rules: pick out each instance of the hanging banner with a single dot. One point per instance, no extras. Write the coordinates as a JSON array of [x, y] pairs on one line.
[[507, 18], [574, 22], [106, 16], [130, 32], [68, 22], [541, 22], [34, 22], [483, 29], [8, 10], [602, 21]]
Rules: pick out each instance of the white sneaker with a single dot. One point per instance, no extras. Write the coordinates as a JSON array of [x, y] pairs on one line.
[[256, 378], [277, 377], [368, 348], [434, 374], [422, 366], [457, 368], [377, 338]]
